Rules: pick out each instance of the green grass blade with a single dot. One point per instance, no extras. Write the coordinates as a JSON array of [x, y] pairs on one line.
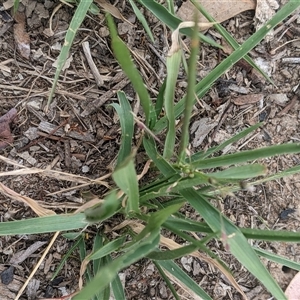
[[171, 6], [241, 172], [98, 244], [278, 259], [107, 248], [100, 281], [124, 58], [127, 125], [173, 269], [156, 220], [171, 21], [76, 21], [237, 137], [204, 85], [66, 256], [116, 285], [166, 169], [103, 211], [244, 156], [185, 224], [160, 99], [287, 172], [235, 240], [53, 223], [167, 281], [271, 235], [16, 5], [126, 179], [231, 41], [82, 254], [184, 139], [172, 254], [142, 19], [173, 63]]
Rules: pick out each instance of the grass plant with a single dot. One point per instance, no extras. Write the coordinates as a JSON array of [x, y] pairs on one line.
[[149, 208]]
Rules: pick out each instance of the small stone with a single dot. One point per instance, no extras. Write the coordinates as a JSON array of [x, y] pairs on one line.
[[85, 169]]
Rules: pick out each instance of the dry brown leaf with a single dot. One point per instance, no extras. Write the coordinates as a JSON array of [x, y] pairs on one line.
[[40, 211], [112, 10], [247, 99], [220, 10], [293, 290], [6, 137], [21, 36]]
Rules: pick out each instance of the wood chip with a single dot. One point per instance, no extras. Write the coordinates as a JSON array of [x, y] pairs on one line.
[[48, 127]]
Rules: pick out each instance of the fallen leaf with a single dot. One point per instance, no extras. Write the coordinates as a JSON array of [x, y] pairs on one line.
[[112, 10], [6, 137], [21, 36], [39, 210], [219, 10], [293, 291], [247, 99], [201, 129]]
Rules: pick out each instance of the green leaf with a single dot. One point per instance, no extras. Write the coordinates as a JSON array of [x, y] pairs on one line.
[[204, 85], [116, 285], [66, 256], [103, 211], [185, 224], [241, 172], [155, 221], [107, 248], [231, 41], [53, 223], [126, 179], [278, 259], [138, 251], [189, 103], [172, 254], [166, 169], [173, 269], [160, 98], [166, 280], [173, 63], [237, 137], [171, 21], [124, 58], [98, 244], [244, 156], [76, 21], [127, 125], [142, 19], [234, 240]]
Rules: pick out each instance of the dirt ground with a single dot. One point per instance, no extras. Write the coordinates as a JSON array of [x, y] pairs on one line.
[[80, 135]]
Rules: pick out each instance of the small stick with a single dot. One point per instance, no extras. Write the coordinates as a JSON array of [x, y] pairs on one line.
[[288, 107], [94, 69]]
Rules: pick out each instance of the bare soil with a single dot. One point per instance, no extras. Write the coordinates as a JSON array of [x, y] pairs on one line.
[[80, 135]]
